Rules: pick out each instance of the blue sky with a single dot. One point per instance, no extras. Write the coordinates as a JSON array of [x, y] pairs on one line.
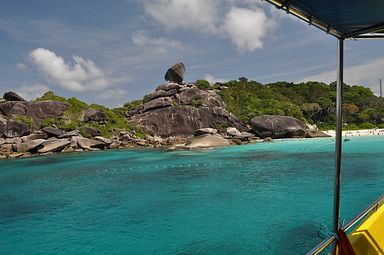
[[111, 52]]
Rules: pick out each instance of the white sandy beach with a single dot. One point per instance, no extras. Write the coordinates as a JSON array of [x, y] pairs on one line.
[[361, 132]]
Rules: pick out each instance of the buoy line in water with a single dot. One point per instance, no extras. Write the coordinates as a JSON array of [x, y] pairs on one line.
[[173, 166]]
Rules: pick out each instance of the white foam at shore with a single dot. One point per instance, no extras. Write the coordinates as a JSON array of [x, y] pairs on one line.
[[361, 132]]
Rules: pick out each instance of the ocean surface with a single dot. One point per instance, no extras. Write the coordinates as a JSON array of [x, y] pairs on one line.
[[264, 198]]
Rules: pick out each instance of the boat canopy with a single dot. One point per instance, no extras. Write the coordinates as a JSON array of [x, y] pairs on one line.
[[340, 18]]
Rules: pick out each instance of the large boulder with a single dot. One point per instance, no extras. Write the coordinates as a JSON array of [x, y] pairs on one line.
[[12, 96], [88, 144], [311, 133], [53, 145], [41, 110], [6, 107], [91, 114], [182, 120], [18, 109], [16, 128], [158, 103], [205, 141], [276, 126], [29, 145], [91, 131], [52, 131], [34, 136], [198, 97], [3, 125], [168, 86], [175, 73], [205, 131]]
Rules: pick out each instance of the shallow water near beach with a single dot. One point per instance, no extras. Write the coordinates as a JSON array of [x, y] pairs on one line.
[[265, 198]]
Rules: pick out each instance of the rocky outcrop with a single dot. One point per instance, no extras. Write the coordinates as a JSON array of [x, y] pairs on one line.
[[178, 110], [12, 96], [16, 128], [158, 103], [275, 126], [3, 125], [54, 145], [41, 110], [206, 141], [315, 134], [91, 114], [28, 145], [52, 131], [175, 73]]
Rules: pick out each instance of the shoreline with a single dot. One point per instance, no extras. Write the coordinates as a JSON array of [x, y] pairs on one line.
[[359, 132]]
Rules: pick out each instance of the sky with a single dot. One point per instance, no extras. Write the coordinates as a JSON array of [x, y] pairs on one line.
[[114, 51]]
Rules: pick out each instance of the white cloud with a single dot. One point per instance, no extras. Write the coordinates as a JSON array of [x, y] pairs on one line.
[[160, 44], [82, 75], [366, 74], [199, 15], [212, 79], [113, 93], [32, 91], [243, 22], [247, 28]]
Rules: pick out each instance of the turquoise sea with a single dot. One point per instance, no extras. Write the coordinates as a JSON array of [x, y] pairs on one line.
[[264, 198]]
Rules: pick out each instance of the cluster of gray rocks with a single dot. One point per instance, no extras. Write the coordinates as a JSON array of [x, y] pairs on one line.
[[176, 116], [50, 140]]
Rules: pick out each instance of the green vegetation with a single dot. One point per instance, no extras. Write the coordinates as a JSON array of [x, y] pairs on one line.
[[197, 103], [203, 84], [115, 120], [313, 102], [24, 119]]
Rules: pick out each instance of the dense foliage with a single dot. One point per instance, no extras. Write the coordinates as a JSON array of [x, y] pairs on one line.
[[313, 102], [72, 119]]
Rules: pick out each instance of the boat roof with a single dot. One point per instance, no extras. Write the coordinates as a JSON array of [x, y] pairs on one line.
[[340, 18]]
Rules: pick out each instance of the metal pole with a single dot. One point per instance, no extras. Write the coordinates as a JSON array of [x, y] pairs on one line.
[[339, 123], [381, 90]]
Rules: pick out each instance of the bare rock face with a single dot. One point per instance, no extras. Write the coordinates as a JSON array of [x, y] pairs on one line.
[[18, 109], [178, 110], [91, 114], [41, 110], [276, 126], [29, 145], [311, 133], [206, 141], [3, 125], [53, 145], [205, 131], [88, 144], [175, 73], [51, 131], [158, 103], [91, 131], [16, 129], [182, 121], [6, 107], [12, 96], [168, 86], [34, 136]]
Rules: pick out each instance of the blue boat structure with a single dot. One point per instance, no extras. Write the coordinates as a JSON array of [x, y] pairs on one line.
[[355, 20]]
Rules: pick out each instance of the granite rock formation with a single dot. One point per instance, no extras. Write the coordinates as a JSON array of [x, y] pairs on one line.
[[183, 112], [12, 96], [276, 126], [175, 73]]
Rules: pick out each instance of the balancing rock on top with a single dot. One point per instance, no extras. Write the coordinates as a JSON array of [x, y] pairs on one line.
[[175, 73], [12, 96]]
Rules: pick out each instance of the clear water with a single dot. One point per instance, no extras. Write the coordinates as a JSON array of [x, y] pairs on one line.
[[256, 199]]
